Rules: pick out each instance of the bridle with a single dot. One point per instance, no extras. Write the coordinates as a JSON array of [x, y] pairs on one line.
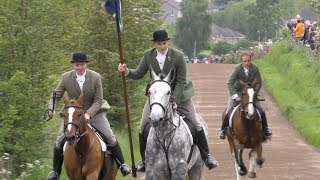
[[77, 136], [74, 139], [166, 108], [244, 105]]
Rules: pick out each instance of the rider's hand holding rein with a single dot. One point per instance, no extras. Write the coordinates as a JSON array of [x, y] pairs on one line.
[[174, 106], [51, 113], [123, 68], [87, 116]]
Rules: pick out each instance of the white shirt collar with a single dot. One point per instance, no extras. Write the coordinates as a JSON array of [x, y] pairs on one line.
[[160, 54], [161, 58], [81, 78]]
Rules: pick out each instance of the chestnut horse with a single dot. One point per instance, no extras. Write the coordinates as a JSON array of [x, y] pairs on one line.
[[246, 132], [83, 155]]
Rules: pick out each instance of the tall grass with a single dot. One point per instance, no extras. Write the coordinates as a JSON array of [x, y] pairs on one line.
[[291, 74]]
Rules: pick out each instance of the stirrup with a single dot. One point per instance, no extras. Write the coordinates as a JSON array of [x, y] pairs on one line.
[[211, 162], [53, 175], [141, 166], [125, 169], [222, 134]]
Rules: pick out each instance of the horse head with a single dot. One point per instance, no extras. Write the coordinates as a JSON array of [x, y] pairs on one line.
[[160, 97], [249, 98], [74, 121]]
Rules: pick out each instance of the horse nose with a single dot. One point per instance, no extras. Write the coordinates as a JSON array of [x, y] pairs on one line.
[[70, 138]]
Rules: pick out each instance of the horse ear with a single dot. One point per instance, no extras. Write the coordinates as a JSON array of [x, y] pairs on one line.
[[153, 75], [170, 77], [80, 99], [65, 98]]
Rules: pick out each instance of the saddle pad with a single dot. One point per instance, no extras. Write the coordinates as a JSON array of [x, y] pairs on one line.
[[192, 129], [103, 145], [231, 116]]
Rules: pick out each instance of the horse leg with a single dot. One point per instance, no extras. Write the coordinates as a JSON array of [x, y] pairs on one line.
[[110, 168], [236, 167], [94, 175], [149, 173], [180, 171], [232, 147], [258, 150], [238, 154], [252, 166], [196, 170]]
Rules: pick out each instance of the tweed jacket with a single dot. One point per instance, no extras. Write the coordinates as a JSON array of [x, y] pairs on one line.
[[182, 87], [238, 73], [92, 89]]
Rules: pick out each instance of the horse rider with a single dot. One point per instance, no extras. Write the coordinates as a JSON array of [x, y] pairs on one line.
[[246, 72], [78, 80], [162, 59]]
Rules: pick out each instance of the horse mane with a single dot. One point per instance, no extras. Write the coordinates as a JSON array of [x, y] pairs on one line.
[[162, 76]]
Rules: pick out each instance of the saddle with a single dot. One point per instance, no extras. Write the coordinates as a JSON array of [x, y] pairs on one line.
[[104, 145]]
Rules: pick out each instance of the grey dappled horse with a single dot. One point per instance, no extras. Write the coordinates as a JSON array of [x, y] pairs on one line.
[[169, 142]]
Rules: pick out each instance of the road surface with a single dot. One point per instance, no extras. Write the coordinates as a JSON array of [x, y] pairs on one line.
[[287, 155]]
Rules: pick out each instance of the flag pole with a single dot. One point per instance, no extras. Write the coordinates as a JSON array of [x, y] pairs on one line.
[[116, 8], [134, 170]]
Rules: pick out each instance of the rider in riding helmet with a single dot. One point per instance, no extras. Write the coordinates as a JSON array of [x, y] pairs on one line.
[[82, 80], [162, 59], [246, 72]]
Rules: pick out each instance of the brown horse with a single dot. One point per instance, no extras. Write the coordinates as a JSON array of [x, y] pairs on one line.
[[83, 156], [246, 132]]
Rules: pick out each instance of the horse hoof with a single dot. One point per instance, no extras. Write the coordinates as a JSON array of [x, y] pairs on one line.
[[260, 162], [252, 175], [243, 171]]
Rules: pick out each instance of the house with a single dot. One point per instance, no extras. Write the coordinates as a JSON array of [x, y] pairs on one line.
[[171, 11], [223, 33], [308, 13]]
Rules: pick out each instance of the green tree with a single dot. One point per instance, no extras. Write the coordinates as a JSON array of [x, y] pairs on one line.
[[264, 19], [35, 37], [315, 4], [193, 28], [245, 43], [222, 47]]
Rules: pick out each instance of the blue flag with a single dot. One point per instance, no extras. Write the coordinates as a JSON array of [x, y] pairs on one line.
[[113, 7]]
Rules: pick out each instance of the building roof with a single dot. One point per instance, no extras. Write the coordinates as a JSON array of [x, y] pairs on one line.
[[309, 13], [224, 32]]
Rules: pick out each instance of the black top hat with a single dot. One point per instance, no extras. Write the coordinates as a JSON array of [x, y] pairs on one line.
[[160, 35], [79, 57]]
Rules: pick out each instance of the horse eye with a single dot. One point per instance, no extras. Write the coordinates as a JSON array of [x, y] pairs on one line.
[[169, 92]]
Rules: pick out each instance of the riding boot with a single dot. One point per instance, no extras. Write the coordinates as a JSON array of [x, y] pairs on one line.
[[266, 130], [202, 144], [141, 164], [57, 163], [225, 124], [117, 153]]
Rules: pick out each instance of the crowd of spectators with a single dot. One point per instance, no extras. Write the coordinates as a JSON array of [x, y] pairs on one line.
[[304, 31]]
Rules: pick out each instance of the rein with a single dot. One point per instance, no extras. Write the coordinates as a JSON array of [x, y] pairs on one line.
[[54, 98], [168, 116]]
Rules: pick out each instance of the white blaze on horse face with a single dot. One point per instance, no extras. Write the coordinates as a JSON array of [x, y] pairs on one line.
[[71, 110], [250, 105]]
